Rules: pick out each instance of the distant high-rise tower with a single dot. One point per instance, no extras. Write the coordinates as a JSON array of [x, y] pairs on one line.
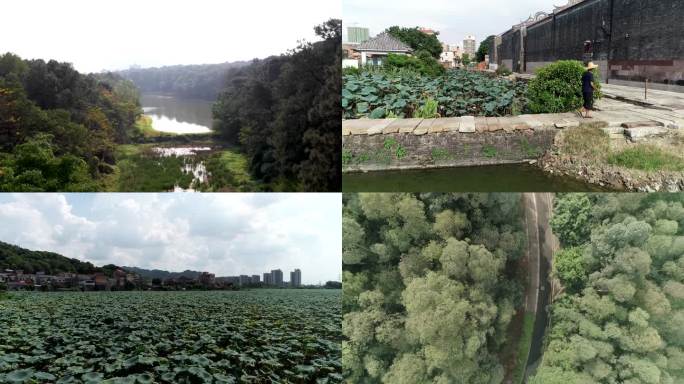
[[268, 278], [255, 279], [296, 278], [277, 276], [469, 46], [357, 34], [245, 280]]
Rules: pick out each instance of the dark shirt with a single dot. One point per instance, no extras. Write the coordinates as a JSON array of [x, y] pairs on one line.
[[587, 79]]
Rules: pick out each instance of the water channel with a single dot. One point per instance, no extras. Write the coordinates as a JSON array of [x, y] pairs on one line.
[[181, 116], [499, 178]]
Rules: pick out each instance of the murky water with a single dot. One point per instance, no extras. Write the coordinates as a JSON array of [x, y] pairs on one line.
[[499, 178], [174, 115], [191, 165]]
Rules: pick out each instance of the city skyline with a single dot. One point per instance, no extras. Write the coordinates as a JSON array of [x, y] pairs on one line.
[[224, 234]]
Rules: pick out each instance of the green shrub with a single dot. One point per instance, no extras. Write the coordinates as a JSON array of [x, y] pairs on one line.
[[558, 88], [351, 71], [422, 63]]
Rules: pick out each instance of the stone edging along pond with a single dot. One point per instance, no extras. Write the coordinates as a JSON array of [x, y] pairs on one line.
[[395, 144], [390, 144]]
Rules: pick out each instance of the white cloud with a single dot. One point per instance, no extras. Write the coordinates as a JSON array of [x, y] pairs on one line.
[[227, 234], [108, 34]]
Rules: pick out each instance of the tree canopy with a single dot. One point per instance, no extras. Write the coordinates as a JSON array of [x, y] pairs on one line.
[[190, 81], [427, 295], [58, 128], [485, 48], [621, 320], [284, 112], [417, 40], [14, 257]]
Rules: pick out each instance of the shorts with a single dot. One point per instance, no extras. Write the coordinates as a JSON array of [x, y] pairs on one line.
[[588, 100]]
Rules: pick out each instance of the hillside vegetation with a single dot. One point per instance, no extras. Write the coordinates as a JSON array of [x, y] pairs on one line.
[[14, 257], [59, 128], [191, 81], [285, 114]]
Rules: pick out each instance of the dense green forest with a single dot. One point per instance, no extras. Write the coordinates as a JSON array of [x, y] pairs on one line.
[[430, 286], [59, 128], [277, 123], [285, 113], [191, 81], [14, 257], [618, 314]]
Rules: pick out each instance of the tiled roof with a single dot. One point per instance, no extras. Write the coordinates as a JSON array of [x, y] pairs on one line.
[[383, 42]]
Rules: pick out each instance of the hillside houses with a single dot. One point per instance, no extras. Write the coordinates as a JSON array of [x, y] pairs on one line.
[[18, 280], [122, 280]]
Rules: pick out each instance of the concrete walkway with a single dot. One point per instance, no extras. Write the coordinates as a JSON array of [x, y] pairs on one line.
[[616, 118], [672, 101]]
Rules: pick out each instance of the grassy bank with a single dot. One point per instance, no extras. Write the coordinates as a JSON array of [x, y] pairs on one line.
[[229, 171], [143, 129], [647, 158], [140, 169], [523, 348], [593, 145]]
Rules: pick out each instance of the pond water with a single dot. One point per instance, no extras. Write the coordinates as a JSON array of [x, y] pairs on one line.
[[499, 178], [176, 115], [191, 164]]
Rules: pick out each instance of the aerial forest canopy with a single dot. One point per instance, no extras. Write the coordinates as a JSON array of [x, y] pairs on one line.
[[285, 113], [429, 286], [59, 128], [618, 313], [190, 81]]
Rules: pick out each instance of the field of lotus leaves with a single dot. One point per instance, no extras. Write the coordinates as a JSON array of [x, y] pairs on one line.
[[380, 94], [258, 336]]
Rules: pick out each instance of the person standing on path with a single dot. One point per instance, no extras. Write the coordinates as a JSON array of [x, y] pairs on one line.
[[588, 90]]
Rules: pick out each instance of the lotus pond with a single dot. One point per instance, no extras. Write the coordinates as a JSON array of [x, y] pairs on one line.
[[382, 94], [257, 336]]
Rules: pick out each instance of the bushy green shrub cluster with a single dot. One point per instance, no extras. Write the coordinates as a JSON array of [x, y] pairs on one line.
[[422, 63], [558, 88]]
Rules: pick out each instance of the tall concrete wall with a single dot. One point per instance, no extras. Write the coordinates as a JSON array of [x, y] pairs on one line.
[[633, 40]]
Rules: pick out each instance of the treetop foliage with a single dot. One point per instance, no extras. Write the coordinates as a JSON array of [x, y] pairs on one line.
[[621, 319], [417, 40], [426, 294]]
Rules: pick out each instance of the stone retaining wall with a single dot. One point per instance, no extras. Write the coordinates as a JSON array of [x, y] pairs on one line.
[[390, 144], [369, 145]]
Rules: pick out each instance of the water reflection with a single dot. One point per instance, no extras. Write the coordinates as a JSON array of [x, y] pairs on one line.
[[170, 114], [191, 165]]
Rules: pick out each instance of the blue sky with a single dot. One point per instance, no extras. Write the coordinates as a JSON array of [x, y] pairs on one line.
[[227, 234], [114, 34], [455, 19]]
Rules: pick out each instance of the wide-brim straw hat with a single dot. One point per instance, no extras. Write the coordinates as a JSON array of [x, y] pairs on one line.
[[591, 65]]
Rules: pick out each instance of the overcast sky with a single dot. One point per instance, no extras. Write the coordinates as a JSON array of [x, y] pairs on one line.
[[227, 234], [114, 34], [454, 19]]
